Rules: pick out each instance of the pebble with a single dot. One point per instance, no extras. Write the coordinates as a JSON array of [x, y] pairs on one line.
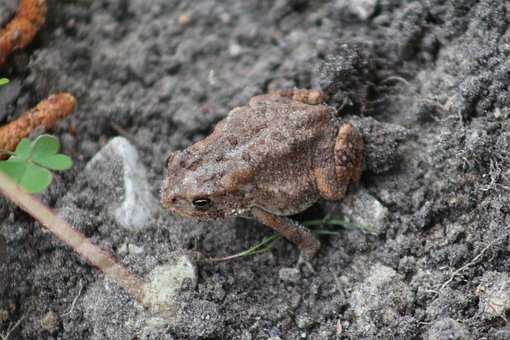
[[166, 281], [124, 179], [365, 210], [304, 321], [289, 274]]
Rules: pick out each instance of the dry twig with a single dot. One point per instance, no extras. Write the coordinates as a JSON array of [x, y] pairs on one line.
[[90, 252], [21, 30], [44, 115]]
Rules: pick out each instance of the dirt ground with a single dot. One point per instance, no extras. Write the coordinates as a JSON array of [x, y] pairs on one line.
[[426, 82]]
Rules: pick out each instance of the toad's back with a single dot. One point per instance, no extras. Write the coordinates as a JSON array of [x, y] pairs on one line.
[[276, 141]]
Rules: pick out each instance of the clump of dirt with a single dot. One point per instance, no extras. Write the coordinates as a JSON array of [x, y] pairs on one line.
[[427, 83]]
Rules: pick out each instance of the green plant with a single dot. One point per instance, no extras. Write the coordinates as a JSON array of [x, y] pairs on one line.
[[30, 164], [4, 81], [267, 242]]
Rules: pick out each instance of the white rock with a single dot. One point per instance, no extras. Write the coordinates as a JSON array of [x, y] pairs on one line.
[[118, 165], [365, 210], [363, 9], [166, 281], [289, 274]]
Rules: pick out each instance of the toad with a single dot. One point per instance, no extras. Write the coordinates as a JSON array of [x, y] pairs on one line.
[[266, 160]]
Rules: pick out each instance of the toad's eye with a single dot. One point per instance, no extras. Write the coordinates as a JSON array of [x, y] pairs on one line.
[[202, 203]]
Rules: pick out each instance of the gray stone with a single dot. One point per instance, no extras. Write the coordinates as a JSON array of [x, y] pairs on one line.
[[118, 172], [166, 281], [365, 210], [289, 274], [363, 9], [304, 321]]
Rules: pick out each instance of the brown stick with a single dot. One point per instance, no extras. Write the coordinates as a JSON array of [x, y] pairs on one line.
[[90, 252], [44, 115], [21, 30]]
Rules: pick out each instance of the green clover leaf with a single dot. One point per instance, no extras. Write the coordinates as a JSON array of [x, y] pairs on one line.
[[4, 81], [44, 153], [30, 177], [30, 164]]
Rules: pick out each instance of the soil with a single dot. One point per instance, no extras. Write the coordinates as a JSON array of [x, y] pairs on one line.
[[427, 84]]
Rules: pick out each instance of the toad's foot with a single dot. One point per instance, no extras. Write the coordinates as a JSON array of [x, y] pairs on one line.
[[291, 230]]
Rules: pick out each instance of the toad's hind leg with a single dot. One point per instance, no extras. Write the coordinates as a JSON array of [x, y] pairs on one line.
[[291, 230], [333, 176]]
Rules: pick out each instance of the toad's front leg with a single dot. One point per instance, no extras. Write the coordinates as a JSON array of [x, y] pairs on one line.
[[291, 230]]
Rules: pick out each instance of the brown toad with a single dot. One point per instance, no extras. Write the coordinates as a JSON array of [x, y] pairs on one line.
[[274, 157]]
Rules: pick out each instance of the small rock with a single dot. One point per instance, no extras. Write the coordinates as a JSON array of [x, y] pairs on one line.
[[378, 300], [289, 274], [304, 321], [134, 249], [165, 282], [494, 294], [365, 210], [363, 9], [50, 322], [129, 248], [117, 170], [234, 50], [122, 249], [447, 328]]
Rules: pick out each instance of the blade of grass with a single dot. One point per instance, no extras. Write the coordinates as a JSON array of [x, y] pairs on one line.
[[258, 248], [268, 242]]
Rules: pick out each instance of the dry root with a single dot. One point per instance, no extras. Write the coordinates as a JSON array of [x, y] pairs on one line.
[[45, 115], [21, 30]]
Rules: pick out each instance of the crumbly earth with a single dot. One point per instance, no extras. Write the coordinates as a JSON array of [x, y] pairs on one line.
[[425, 82]]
